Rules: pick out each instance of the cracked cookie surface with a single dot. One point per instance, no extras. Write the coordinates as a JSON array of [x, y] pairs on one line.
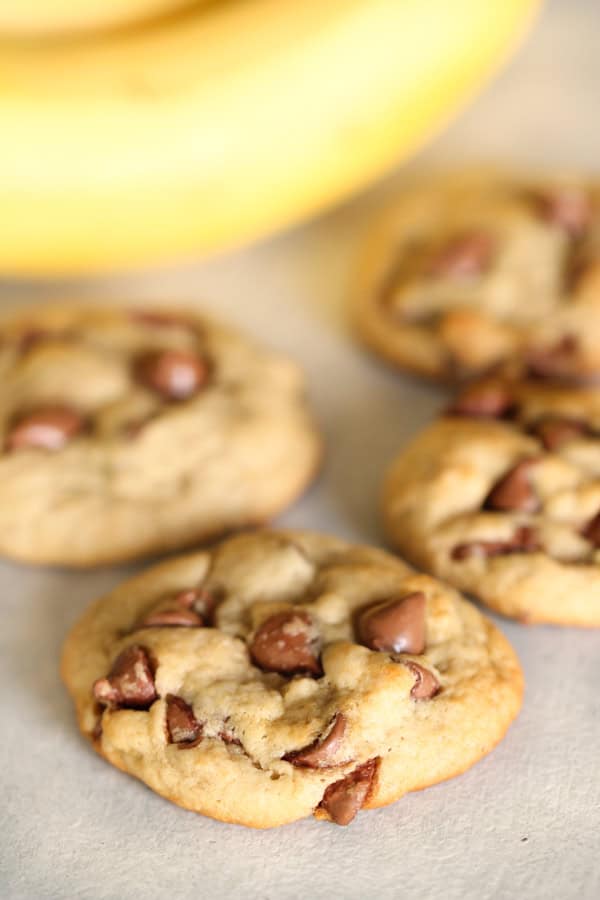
[[470, 270], [316, 677], [501, 497], [128, 431]]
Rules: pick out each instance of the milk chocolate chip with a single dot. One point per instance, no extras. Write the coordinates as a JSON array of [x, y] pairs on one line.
[[322, 752], [426, 684], [554, 433], [396, 626], [156, 318], [569, 208], [343, 799], [523, 540], [164, 618], [130, 682], [486, 400], [465, 256], [50, 428], [174, 374], [188, 608], [287, 642], [591, 532], [514, 490], [556, 361], [182, 726]]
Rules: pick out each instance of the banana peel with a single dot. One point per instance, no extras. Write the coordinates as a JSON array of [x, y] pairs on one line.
[[224, 123]]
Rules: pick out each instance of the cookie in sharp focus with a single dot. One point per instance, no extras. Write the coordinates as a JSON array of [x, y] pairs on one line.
[[283, 674], [501, 497], [128, 431], [468, 271]]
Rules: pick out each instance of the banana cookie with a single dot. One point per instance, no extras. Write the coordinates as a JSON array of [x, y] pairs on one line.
[[501, 497], [126, 431], [283, 674], [469, 271]]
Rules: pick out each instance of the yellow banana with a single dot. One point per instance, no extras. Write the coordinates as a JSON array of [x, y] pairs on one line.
[[223, 123], [37, 17]]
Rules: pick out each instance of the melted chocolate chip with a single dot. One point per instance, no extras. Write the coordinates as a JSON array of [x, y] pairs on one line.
[[557, 361], [344, 798], [50, 428], [164, 618], [199, 599], [396, 626], [514, 490], [227, 735], [486, 400], [286, 643], [591, 532], [182, 726], [463, 257], [322, 752], [426, 684], [174, 374], [569, 208], [130, 682], [188, 608], [555, 432], [523, 540], [155, 318]]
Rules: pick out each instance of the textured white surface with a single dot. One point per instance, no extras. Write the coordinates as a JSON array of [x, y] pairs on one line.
[[525, 822]]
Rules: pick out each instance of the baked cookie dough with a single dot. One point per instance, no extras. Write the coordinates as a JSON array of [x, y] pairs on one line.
[[127, 431], [50, 17], [501, 497], [468, 271], [282, 674]]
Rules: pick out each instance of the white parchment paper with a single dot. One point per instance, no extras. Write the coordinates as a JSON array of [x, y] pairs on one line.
[[525, 822]]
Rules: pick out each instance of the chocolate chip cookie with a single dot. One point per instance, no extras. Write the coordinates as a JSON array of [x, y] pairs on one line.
[[468, 271], [280, 674], [129, 431], [501, 497]]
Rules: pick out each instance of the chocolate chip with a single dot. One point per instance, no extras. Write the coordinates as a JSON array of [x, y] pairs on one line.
[[50, 428], [490, 400], [97, 729], [569, 208], [343, 799], [174, 374], [190, 608], [524, 540], [287, 643], [130, 682], [514, 490], [463, 257], [199, 599], [185, 618], [591, 532], [32, 337], [554, 433], [396, 626], [227, 735], [155, 318], [557, 361], [426, 684], [322, 752], [182, 726]]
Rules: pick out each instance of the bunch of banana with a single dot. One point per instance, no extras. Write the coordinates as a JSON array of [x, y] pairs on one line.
[[195, 131]]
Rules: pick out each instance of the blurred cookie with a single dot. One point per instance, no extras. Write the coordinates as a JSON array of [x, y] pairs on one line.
[[124, 432], [501, 497], [283, 674], [467, 272]]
